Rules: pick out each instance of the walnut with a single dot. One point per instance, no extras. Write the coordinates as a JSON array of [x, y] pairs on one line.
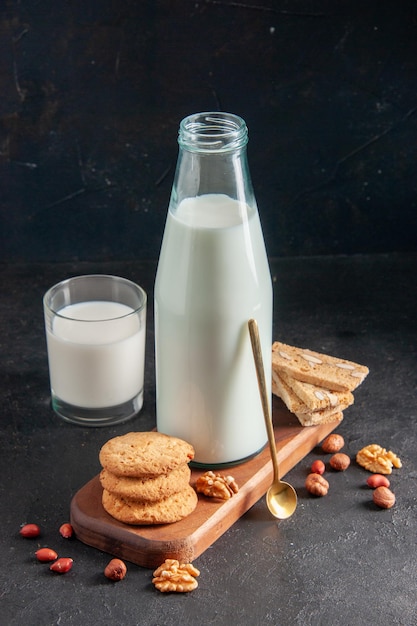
[[175, 576], [317, 485], [377, 459], [216, 485]]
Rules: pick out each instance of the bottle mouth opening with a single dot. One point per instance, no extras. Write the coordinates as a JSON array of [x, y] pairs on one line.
[[212, 132]]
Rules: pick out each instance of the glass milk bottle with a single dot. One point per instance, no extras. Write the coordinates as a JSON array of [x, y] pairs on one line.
[[212, 277]]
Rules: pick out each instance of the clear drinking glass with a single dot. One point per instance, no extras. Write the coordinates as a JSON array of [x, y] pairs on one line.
[[95, 331]]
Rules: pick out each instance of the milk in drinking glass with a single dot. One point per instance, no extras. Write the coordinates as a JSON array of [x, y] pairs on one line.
[[96, 350]]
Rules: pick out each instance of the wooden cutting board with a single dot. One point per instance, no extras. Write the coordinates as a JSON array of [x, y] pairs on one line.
[[185, 540]]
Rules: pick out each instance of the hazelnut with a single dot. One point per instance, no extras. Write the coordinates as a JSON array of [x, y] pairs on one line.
[[383, 497], [115, 570], [339, 461], [333, 443], [316, 485]]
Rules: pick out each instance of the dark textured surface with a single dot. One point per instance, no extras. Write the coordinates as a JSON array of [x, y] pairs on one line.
[[338, 561], [92, 94]]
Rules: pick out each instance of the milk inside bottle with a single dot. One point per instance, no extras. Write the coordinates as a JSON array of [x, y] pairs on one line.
[[212, 277]]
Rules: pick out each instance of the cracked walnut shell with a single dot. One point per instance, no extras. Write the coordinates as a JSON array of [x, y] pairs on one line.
[[216, 486], [378, 460], [175, 576]]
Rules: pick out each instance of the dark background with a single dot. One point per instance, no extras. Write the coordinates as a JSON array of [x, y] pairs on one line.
[[91, 95], [92, 92]]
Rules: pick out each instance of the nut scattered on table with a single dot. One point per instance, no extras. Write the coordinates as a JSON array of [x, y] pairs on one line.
[[175, 576], [44, 555], [339, 461], [318, 467], [29, 531], [377, 480], [115, 570], [333, 443], [376, 459], [316, 485], [62, 565], [66, 530], [216, 485], [383, 497]]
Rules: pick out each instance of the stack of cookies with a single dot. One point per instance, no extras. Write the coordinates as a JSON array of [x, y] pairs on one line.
[[316, 387], [146, 478]]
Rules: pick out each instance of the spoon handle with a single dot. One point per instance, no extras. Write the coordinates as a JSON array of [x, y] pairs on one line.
[[260, 373]]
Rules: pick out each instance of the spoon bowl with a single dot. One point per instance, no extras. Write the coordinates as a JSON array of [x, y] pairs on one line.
[[281, 497]]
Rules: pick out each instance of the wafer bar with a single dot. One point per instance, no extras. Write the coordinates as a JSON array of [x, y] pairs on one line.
[[296, 406], [314, 397], [317, 369]]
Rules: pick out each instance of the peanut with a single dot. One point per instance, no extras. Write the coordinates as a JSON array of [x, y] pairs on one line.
[[318, 467], [66, 530], [62, 565], [30, 530], [46, 554], [377, 480], [115, 570]]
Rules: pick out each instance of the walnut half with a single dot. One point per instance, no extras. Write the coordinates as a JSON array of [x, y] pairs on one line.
[[216, 486], [377, 460], [175, 576]]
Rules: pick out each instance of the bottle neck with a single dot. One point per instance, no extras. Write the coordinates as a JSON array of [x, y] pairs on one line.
[[212, 159], [213, 133]]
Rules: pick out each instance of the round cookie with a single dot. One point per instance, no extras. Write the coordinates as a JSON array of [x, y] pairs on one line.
[[144, 454], [166, 511], [146, 489]]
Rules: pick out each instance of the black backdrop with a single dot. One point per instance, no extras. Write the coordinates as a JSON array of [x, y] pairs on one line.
[[92, 92]]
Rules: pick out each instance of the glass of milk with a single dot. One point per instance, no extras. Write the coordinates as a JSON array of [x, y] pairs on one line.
[[95, 332]]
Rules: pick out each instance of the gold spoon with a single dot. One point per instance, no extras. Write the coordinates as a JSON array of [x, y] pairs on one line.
[[281, 497]]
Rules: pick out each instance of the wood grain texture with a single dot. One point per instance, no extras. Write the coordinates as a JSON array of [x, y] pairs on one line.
[[185, 540]]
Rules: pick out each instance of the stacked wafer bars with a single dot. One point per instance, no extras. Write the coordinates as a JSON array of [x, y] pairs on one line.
[[316, 387]]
